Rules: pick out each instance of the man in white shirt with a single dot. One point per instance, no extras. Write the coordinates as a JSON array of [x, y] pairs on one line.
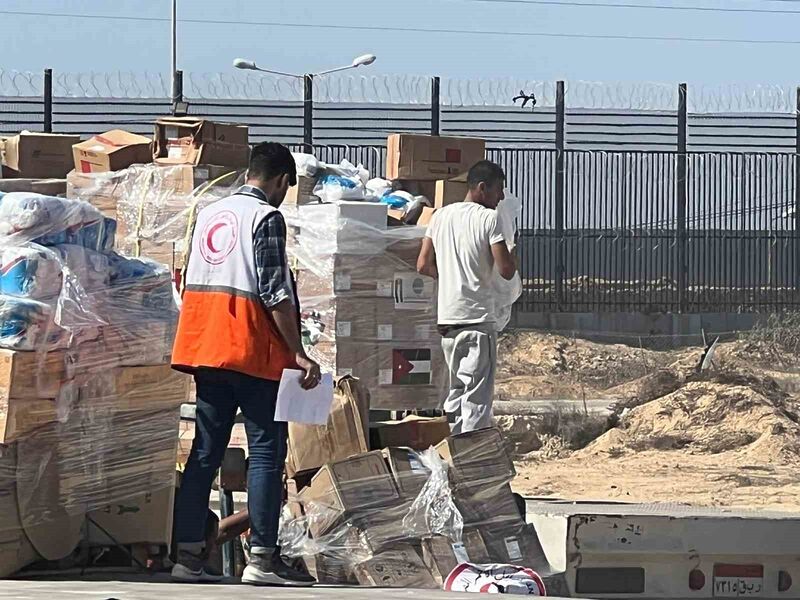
[[463, 245]]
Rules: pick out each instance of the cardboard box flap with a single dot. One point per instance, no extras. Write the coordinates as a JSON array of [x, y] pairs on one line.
[[311, 446]]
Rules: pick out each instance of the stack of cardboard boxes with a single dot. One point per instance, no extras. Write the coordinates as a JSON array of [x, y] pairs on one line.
[[149, 188], [397, 517], [89, 406], [431, 166], [373, 316]]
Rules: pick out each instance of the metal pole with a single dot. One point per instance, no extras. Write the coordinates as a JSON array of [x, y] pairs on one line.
[[174, 51], [308, 113], [177, 94], [681, 198], [559, 190], [435, 106], [226, 508], [47, 126], [796, 239]]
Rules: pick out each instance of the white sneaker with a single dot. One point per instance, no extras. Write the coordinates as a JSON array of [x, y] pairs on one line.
[[191, 569]]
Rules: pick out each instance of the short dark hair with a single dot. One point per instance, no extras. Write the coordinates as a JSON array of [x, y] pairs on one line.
[[487, 172], [269, 160]]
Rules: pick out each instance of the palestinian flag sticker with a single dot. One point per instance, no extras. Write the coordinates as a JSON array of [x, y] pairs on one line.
[[411, 367]]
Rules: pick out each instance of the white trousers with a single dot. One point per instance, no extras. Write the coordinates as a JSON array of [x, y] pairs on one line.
[[471, 355]]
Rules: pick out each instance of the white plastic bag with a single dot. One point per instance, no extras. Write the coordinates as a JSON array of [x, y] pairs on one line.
[[342, 182], [506, 292], [307, 164]]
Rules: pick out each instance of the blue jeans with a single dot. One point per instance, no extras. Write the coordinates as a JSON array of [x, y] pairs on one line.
[[219, 394]]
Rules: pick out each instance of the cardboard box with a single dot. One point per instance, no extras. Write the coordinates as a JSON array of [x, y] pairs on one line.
[[441, 555], [46, 187], [302, 193], [346, 227], [145, 518], [418, 433], [330, 570], [149, 388], [409, 473], [424, 157], [101, 191], [189, 140], [347, 486], [31, 374], [516, 545], [38, 155], [426, 216], [478, 457], [449, 192], [21, 417], [111, 151], [400, 567], [487, 504], [311, 446]]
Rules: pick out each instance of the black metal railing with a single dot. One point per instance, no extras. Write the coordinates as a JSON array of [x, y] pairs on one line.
[[648, 211]]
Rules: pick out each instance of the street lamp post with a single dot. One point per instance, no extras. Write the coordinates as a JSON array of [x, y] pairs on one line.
[[308, 88]]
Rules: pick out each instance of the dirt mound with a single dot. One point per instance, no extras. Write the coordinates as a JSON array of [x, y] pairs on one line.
[[739, 413], [597, 365]]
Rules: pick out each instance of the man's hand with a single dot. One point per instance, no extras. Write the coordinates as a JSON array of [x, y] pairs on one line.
[[312, 374]]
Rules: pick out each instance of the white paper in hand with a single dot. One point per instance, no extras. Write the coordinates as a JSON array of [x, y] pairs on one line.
[[297, 405]]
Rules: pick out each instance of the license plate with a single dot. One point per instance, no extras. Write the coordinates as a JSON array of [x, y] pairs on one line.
[[737, 581]]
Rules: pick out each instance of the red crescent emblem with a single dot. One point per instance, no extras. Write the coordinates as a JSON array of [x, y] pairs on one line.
[[225, 226], [210, 236]]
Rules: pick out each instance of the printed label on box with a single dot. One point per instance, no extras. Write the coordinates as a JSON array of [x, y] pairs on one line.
[[412, 291], [461, 552], [423, 332], [342, 282], [513, 549], [343, 328], [385, 289], [385, 332], [385, 377]]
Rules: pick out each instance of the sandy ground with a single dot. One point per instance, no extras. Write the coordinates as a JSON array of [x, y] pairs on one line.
[[728, 436]]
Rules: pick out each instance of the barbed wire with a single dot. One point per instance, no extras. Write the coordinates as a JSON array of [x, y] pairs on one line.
[[408, 89]]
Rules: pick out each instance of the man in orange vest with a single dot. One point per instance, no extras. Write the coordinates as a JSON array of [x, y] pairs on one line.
[[238, 330]]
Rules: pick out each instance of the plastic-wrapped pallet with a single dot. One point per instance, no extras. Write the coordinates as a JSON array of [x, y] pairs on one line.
[[154, 205], [366, 311], [89, 407]]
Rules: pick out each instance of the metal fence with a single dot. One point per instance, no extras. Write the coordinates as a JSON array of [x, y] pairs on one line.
[[648, 207]]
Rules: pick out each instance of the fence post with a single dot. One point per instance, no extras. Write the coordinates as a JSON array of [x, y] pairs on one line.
[[681, 198], [47, 126], [560, 274], [308, 113], [797, 196], [177, 92], [435, 105]]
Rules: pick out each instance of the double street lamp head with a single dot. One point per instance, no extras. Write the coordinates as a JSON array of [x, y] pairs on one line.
[[359, 61]]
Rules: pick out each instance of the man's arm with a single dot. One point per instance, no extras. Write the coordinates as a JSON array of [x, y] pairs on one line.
[[505, 261], [269, 244], [426, 263]]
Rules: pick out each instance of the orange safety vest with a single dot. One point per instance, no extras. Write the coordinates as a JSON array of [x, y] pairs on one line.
[[223, 323]]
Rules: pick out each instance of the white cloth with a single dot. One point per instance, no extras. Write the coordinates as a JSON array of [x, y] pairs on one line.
[[462, 234]]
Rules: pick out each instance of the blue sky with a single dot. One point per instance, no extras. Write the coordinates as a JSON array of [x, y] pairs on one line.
[[80, 45]]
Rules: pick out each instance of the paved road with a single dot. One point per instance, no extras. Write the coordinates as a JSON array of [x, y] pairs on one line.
[[159, 588]]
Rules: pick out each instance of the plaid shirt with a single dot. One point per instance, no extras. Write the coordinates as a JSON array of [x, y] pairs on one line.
[[269, 247]]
